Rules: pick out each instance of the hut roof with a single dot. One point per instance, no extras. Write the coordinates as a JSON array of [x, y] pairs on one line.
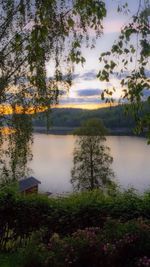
[[28, 183]]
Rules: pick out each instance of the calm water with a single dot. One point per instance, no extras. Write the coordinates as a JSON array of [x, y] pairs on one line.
[[52, 161]]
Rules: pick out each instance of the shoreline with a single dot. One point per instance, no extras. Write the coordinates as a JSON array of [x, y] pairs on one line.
[[70, 130]]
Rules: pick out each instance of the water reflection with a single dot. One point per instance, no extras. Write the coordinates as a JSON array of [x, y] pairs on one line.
[[52, 161]]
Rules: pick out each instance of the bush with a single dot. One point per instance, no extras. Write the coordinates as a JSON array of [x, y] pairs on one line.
[[20, 216], [116, 245], [34, 254], [10, 260], [91, 229]]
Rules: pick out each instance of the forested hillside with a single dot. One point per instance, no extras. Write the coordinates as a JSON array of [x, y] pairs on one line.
[[113, 118]]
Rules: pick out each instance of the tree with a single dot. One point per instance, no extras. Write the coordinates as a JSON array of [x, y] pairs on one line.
[[128, 59], [33, 33], [92, 160]]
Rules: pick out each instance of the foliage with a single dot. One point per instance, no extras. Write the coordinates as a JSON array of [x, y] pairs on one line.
[[92, 161], [92, 127], [34, 253], [10, 260], [20, 216], [33, 35], [115, 119], [16, 151], [129, 59], [34, 32], [84, 229], [117, 244]]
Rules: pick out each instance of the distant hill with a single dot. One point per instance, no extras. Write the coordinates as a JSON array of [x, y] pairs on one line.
[[114, 118]]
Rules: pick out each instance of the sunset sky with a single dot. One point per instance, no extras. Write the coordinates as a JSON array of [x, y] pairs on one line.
[[86, 89]]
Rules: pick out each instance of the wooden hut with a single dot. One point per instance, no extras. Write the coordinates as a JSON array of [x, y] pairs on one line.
[[29, 185]]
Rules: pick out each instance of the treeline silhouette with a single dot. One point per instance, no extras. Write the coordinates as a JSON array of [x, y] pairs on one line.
[[112, 117]]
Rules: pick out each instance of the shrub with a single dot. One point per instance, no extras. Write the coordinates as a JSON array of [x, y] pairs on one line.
[[20, 216], [35, 253], [127, 245]]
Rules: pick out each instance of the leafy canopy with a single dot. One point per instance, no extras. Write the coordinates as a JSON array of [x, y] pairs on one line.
[[91, 127], [92, 160], [128, 59], [34, 34]]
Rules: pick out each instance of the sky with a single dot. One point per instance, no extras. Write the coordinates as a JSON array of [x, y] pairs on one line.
[[86, 88]]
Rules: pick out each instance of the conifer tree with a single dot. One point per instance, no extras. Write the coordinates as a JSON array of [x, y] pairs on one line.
[[92, 159]]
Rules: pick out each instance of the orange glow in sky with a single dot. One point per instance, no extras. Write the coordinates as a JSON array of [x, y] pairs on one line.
[[91, 106], [7, 130], [8, 110]]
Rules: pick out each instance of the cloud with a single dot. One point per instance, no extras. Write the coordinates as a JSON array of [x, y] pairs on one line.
[[113, 26], [89, 75], [79, 100], [86, 76], [89, 92]]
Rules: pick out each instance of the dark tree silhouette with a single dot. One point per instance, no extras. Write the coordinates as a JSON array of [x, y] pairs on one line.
[[92, 160]]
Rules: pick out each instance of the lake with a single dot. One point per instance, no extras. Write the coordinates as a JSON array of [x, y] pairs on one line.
[[53, 155]]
